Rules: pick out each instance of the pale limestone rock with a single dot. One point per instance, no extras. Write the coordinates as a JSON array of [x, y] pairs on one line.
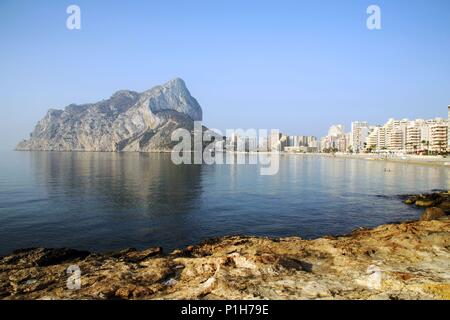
[[128, 121]]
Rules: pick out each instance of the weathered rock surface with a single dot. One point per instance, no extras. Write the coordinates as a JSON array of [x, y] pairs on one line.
[[432, 214], [128, 121], [396, 261]]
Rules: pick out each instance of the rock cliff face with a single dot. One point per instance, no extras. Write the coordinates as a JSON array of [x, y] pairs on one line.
[[396, 261], [128, 121]]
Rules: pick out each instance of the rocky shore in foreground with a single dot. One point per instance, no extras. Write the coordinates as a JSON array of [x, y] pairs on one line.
[[407, 260]]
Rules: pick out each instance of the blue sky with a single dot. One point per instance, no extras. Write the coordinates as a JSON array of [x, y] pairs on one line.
[[298, 66]]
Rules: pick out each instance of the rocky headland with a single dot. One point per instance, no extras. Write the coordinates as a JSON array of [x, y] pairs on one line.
[[127, 121], [408, 260]]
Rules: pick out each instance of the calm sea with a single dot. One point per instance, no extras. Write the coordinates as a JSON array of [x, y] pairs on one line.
[[110, 201]]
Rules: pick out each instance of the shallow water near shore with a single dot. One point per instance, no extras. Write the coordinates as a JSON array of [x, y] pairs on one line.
[[110, 201]]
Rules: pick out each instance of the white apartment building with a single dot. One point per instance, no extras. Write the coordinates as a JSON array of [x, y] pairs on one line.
[[413, 137], [439, 137], [359, 134], [373, 138], [381, 138], [417, 136], [396, 139], [396, 135]]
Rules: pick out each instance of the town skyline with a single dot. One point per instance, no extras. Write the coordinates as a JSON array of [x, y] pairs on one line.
[[347, 124], [412, 136]]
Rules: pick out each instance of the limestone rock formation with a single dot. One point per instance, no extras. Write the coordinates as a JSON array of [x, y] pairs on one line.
[[128, 121]]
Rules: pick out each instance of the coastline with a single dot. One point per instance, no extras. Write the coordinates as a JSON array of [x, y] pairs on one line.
[[406, 260], [407, 159]]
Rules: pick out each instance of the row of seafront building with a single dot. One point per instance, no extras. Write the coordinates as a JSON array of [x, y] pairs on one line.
[[395, 136]]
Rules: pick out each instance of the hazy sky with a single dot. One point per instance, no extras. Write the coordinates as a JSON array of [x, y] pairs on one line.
[[298, 66]]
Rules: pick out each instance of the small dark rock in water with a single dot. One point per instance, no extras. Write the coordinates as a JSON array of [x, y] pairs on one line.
[[411, 200], [432, 214]]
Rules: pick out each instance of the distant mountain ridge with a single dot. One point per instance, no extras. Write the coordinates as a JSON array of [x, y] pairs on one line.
[[128, 121]]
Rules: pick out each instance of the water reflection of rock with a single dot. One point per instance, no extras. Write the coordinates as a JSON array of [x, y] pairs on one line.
[[149, 182]]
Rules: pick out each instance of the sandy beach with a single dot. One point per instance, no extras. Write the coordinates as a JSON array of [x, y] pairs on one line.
[[410, 159]]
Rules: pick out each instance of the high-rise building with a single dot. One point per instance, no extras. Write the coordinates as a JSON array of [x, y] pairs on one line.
[[448, 129], [359, 134], [373, 137], [292, 141], [395, 135], [439, 137], [381, 142], [283, 142], [395, 140], [413, 136]]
